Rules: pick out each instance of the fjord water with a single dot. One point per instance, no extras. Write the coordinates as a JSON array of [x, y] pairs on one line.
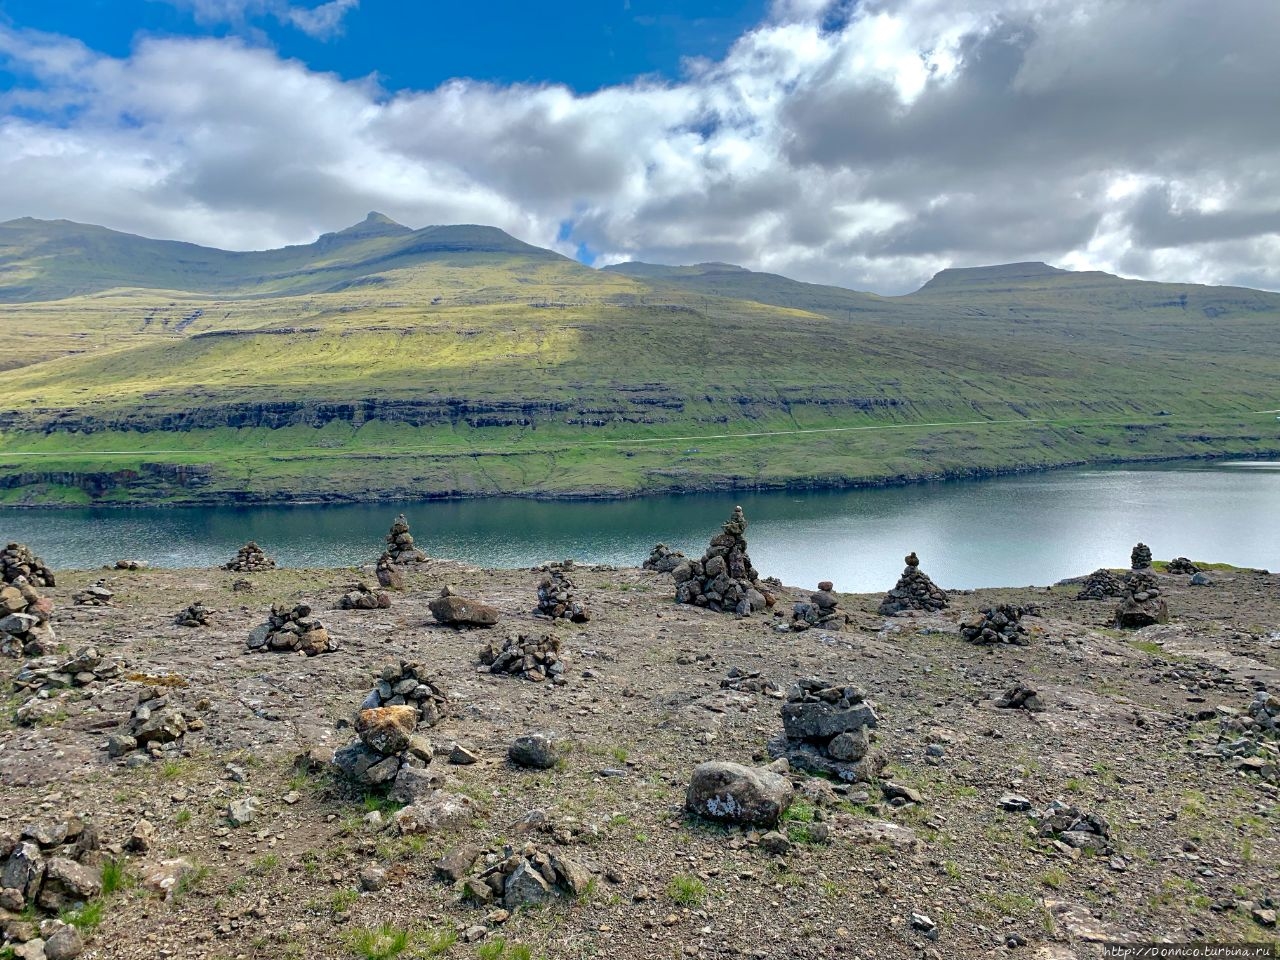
[[1009, 531]]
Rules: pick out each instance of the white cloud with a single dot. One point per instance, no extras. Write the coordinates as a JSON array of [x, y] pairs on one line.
[[865, 144], [322, 22]]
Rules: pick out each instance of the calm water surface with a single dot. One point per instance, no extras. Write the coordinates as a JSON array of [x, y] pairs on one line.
[[1035, 528]]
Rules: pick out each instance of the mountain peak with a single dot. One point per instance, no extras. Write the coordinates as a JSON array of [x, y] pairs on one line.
[[374, 225], [955, 278]]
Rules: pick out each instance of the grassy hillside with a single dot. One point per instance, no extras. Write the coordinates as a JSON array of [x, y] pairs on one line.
[[468, 368]]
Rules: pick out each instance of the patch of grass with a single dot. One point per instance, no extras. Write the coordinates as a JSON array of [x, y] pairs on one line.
[[116, 877], [384, 942], [620, 754], [87, 917], [264, 864], [191, 881], [686, 890], [182, 817], [1054, 878], [800, 812], [342, 900], [491, 949]]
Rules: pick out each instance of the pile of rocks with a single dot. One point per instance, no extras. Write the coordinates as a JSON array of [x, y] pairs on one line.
[[93, 596], [1140, 557], [24, 620], [288, 630], [388, 741], [1251, 740], [17, 562], [1102, 584], [1070, 826], [527, 657], [822, 610], [748, 681], [526, 877], [362, 597], [388, 576], [131, 565], [724, 578], [156, 727], [410, 684], [196, 615], [662, 559], [1142, 604], [556, 599], [1182, 565], [50, 867], [826, 730], [400, 546], [1021, 697], [913, 591], [58, 673], [457, 611], [250, 558], [999, 624]]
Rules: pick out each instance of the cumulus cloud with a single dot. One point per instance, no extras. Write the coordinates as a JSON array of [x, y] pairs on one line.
[[867, 144]]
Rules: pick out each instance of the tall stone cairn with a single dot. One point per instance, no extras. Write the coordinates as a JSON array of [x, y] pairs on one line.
[[400, 543], [250, 558], [556, 598], [1140, 558], [913, 591], [724, 578], [17, 560]]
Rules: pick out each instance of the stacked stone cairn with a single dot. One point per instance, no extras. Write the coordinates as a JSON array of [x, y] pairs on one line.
[[50, 867], [1142, 605], [1072, 827], [999, 624], [291, 629], [17, 562], [1021, 697], [409, 683], [826, 730], [1140, 557], [527, 657], [362, 597], [400, 546], [60, 673], [1102, 584], [455, 610], [93, 596], [388, 576], [24, 620], [1251, 740], [913, 591], [388, 741], [250, 558], [663, 559], [1182, 565], [822, 611], [196, 615], [526, 876], [156, 728], [556, 599], [724, 578]]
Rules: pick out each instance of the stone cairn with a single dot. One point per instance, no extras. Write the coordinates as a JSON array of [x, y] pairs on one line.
[[388, 576], [362, 597], [400, 546], [527, 657], [556, 599], [999, 624], [24, 620], [1069, 825], [822, 611], [749, 681], [59, 673], [1142, 604], [93, 596], [156, 728], [288, 630], [1251, 739], [388, 741], [410, 684], [1140, 557], [1182, 565], [17, 562], [250, 558], [1102, 584], [913, 591], [662, 559], [1021, 697], [826, 731], [131, 565], [526, 876], [196, 615], [50, 867], [724, 578], [454, 610]]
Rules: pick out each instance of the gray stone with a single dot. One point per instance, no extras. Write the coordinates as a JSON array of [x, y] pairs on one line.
[[24, 870], [67, 884], [240, 812], [65, 944], [818, 720], [534, 750], [730, 792], [525, 887]]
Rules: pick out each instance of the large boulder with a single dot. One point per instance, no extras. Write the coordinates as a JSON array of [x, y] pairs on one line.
[[535, 750], [456, 611], [732, 793]]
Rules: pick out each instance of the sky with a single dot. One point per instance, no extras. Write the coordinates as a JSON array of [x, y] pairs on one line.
[[865, 143]]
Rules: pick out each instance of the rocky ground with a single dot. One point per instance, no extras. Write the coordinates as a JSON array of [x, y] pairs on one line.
[[315, 868]]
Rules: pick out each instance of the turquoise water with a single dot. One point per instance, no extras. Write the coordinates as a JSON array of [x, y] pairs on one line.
[[1010, 531]]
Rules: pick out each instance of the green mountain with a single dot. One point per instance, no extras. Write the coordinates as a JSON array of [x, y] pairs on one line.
[[381, 361]]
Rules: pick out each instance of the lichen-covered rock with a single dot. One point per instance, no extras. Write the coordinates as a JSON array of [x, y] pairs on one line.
[[535, 750], [387, 729], [732, 793]]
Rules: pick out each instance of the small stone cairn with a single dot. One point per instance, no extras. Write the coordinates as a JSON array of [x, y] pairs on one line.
[[527, 657], [400, 546], [455, 610], [409, 683], [1251, 739], [999, 624], [156, 727], [1140, 557], [913, 591], [288, 630], [17, 562], [58, 673], [826, 731], [526, 876], [1142, 605], [1021, 697], [196, 615], [24, 620], [1182, 565], [93, 596], [362, 597], [556, 599], [250, 558], [822, 611], [1102, 584], [662, 559], [387, 742], [724, 579], [49, 867], [749, 681], [388, 576], [1072, 827]]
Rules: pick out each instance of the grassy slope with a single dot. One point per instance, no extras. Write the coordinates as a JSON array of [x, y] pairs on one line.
[[521, 371]]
